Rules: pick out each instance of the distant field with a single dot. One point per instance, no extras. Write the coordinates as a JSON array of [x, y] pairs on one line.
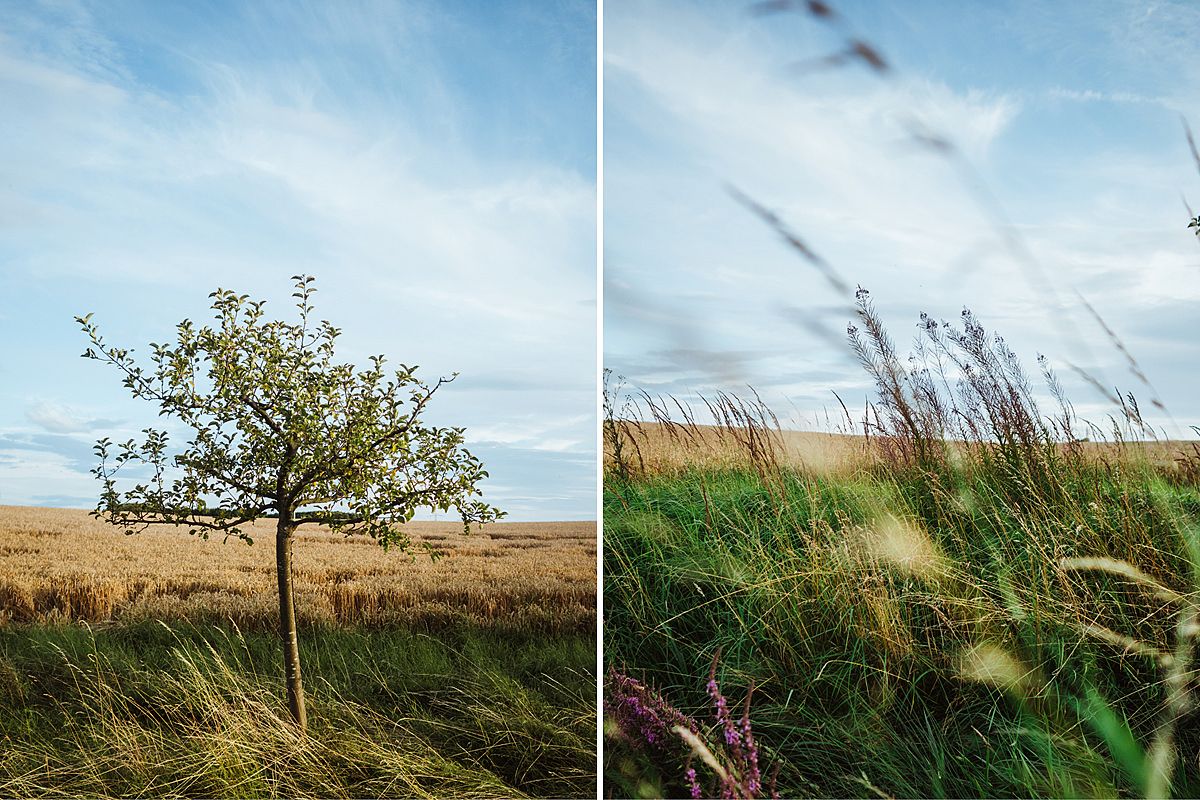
[[662, 448], [63, 564]]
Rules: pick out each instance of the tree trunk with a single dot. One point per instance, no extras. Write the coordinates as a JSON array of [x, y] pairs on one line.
[[287, 620]]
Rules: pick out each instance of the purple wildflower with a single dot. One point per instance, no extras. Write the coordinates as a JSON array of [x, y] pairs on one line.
[[643, 718], [743, 775], [753, 776], [733, 737]]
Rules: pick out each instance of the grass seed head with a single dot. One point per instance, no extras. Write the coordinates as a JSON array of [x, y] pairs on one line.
[[907, 547]]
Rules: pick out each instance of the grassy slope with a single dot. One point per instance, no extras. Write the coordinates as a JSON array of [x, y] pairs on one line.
[[170, 710], [856, 634]]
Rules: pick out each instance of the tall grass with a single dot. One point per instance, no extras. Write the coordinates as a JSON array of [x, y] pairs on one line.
[[981, 602], [167, 711]]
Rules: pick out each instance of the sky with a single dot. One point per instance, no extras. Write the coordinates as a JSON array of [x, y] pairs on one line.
[[433, 164], [1065, 182]]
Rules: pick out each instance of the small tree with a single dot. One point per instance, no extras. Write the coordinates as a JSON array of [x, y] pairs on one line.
[[281, 430]]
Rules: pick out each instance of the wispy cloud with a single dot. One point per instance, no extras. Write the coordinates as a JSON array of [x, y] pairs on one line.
[[59, 418], [573, 434], [1093, 96]]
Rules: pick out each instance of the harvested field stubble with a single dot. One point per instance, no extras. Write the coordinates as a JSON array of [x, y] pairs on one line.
[[59, 563]]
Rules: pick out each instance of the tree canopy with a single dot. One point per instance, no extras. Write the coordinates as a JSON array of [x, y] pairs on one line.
[[280, 427]]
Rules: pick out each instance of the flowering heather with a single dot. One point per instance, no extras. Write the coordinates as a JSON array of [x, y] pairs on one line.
[[643, 717], [743, 777], [647, 722]]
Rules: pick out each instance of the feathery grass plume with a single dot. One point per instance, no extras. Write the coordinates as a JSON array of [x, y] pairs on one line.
[[1122, 569], [908, 548], [1187, 462], [994, 666], [617, 435]]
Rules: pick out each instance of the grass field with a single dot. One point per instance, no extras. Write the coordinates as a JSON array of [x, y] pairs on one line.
[[149, 665], [970, 603]]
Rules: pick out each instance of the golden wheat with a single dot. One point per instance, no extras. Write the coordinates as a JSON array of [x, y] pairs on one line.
[[59, 563], [669, 448], [666, 449]]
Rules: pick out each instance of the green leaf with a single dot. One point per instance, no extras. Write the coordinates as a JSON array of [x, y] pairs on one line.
[[1114, 729]]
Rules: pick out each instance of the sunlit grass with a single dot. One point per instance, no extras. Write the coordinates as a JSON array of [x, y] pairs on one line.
[[157, 710]]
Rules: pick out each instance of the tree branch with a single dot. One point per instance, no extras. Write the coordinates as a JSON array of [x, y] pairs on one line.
[[189, 518], [325, 470], [221, 476], [261, 413], [402, 503]]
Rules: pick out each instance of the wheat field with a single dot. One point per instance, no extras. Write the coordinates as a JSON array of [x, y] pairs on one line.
[[64, 564], [669, 447]]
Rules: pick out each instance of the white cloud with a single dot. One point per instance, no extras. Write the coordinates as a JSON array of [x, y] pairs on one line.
[[56, 417], [29, 477], [533, 433], [1094, 96]]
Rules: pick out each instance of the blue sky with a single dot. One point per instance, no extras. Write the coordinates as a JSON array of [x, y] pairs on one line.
[[433, 164], [1067, 116]]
